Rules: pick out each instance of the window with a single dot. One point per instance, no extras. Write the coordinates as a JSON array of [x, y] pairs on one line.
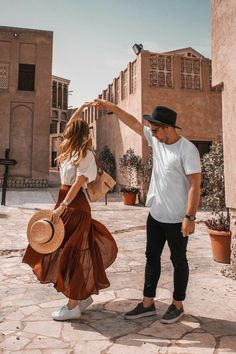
[[53, 157], [59, 95], [65, 96], [161, 70], [191, 74], [26, 79], [4, 75], [110, 93], [124, 82], [203, 146], [88, 115], [133, 77], [54, 114], [117, 90], [53, 127], [62, 126], [54, 94], [64, 116]]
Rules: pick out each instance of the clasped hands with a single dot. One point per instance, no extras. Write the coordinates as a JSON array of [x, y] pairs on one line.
[[98, 103]]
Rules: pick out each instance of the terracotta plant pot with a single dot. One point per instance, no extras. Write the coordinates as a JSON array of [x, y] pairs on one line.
[[220, 243], [129, 198]]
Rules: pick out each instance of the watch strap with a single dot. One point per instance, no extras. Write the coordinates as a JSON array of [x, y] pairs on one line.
[[190, 217]]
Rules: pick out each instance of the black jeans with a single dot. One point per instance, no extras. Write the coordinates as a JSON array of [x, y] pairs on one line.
[[157, 234]]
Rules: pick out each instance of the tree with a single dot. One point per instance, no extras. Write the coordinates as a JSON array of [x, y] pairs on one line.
[[107, 160], [144, 177], [130, 164], [145, 171], [213, 187], [213, 196]]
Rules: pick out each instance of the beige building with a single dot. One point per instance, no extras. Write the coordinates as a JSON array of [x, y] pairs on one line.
[[224, 71], [181, 80], [25, 103], [59, 115]]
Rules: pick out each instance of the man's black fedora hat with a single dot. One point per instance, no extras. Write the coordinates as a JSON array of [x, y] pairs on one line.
[[162, 115]]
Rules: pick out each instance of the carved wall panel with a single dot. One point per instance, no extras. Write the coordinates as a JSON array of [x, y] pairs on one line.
[[4, 75], [161, 70], [191, 74]]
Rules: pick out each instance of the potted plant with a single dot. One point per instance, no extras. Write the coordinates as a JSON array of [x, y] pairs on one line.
[[130, 163], [213, 199], [107, 160]]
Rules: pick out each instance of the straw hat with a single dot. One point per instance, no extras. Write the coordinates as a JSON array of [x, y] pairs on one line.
[[44, 236]]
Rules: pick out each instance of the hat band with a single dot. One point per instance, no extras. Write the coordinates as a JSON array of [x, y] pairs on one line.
[[51, 224]]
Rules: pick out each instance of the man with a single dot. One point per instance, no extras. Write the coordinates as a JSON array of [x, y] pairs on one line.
[[173, 198]]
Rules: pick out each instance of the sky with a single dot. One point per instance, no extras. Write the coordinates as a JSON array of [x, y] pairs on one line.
[[93, 39]]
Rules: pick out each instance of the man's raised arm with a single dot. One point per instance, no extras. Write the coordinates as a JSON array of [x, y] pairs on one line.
[[124, 116]]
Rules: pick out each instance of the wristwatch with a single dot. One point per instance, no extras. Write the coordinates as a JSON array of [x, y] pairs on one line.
[[190, 217]]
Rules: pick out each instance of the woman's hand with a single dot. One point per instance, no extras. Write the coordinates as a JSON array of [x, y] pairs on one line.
[[78, 113], [82, 107], [57, 213]]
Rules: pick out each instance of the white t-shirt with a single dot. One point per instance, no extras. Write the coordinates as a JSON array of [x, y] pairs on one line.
[[169, 186], [87, 168]]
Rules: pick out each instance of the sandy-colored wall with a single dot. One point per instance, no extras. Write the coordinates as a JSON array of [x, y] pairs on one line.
[[108, 130], [199, 111], [224, 70], [25, 115]]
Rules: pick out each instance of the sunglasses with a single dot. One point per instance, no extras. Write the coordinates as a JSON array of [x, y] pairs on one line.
[[154, 131]]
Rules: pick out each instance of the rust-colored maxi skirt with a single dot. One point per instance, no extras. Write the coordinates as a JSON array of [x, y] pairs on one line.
[[77, 268]]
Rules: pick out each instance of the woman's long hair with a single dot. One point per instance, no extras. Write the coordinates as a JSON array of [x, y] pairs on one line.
[[76, 141]]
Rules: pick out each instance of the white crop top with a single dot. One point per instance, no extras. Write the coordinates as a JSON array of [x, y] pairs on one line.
[[87, 168]]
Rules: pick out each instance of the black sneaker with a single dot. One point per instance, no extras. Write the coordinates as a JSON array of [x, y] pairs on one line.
[[139, 311], [172, 314]]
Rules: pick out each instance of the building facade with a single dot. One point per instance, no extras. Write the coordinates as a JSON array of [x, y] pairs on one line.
[[224, 71], [59, 115], [25, 103], [179, 79]]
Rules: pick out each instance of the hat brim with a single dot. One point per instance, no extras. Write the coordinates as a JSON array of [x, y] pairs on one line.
[[154, 121], [58, 236]]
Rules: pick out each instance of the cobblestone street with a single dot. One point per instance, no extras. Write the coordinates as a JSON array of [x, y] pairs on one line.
[[208, 326]]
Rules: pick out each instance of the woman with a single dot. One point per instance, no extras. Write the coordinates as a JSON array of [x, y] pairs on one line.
[[77, 267]]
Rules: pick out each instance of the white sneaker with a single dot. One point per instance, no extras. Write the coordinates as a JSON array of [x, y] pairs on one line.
[[83, 304], [64, 313]]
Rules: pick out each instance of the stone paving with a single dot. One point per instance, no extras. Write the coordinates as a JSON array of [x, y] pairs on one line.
[[208, 327]]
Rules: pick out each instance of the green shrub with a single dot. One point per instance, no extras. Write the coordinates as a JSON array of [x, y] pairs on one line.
[[130, 164], [107, 160], [213, 186]]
